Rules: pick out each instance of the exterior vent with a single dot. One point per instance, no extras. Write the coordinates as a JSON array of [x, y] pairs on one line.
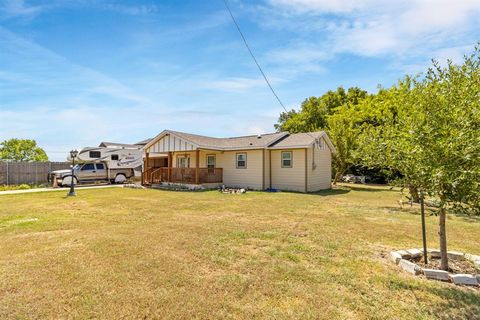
[[259, 136]]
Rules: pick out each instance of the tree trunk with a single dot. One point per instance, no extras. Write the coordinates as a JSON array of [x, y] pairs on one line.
[[414, 193], [442, 233], [337, 176]]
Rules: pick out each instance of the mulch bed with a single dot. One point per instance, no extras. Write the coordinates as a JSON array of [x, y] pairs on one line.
[[455, 266]]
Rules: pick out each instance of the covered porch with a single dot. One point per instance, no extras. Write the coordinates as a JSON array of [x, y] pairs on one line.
[[180, 167]]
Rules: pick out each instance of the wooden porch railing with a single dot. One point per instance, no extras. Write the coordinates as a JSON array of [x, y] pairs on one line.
[[182, 175]]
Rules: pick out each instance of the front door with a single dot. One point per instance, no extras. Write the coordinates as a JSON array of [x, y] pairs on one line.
[[183, 162]]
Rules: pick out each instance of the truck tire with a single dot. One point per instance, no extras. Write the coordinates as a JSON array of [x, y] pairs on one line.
[[120, 178], [67, 180]]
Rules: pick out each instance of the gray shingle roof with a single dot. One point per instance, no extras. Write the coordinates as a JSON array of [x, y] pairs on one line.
[[253, 141], [143, 142], [299, 140], [278, 140]]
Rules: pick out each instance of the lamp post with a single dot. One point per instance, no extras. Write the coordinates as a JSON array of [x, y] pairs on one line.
[[73, 155]]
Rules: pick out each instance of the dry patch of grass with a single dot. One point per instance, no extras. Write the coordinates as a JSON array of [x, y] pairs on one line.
[[127, 253]]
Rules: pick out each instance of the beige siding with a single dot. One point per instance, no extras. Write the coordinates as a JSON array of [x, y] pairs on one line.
[[289, 179], [250, 177], [267, 169], [319, 168]]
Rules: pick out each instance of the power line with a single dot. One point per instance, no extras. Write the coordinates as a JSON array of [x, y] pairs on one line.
[[256, 62], [253, 56]]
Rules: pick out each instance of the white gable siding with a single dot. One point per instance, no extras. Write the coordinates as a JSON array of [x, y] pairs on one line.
[[170, 143]]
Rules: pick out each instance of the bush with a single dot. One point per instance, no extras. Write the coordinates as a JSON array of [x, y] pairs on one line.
[[16, 187]]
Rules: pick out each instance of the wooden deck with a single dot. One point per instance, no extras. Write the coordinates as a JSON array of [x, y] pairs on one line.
[[182, 175]]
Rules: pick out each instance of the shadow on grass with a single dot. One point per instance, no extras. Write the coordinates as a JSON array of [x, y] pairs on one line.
[[415, 210], [408, 209], [467, 218], [367, 187], [456, 302], [329, 192]]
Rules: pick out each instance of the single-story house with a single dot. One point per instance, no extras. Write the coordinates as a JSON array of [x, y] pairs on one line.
[[283, 161]]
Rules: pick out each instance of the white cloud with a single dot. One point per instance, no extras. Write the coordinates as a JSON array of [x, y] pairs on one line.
[[18, 8], [238, 84], [398, 29], [324, 6]]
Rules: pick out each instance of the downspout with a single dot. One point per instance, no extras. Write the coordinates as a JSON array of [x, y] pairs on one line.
[[306, 170], [263, 169], [270, 167]]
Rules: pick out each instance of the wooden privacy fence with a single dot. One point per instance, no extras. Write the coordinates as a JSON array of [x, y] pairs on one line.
[[12, 173]]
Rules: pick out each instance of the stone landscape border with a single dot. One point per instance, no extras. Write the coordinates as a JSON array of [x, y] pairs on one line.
[[401, 257]]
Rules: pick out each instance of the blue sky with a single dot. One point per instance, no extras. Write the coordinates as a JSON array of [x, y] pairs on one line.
[[77, 72]]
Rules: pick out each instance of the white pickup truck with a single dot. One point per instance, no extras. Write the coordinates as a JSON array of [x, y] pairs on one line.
[[114, 165], [91, 172]]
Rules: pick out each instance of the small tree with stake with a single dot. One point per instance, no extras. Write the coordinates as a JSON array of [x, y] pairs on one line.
[[432, 137], [445, 129]]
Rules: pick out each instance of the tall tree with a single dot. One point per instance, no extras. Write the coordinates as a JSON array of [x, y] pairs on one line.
[[21, 150], [343, 130], [314, 111]]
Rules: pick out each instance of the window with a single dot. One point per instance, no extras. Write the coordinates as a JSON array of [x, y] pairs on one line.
[[88, 167], [286, 159], [95, 154], [114, 156], [211, 161], [100, 166], [183, 162], [241, 160]]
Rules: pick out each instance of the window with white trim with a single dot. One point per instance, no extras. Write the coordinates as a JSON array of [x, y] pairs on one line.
[[287, 159], [211, 159], [241, 160]]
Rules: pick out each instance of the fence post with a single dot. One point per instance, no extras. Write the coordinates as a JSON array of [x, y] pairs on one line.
[[7, 175]]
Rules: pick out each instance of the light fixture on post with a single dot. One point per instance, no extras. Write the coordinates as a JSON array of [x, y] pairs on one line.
[[73, 155]]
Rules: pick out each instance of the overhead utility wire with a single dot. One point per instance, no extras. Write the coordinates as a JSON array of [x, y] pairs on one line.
[[256, 62], [253, 56]]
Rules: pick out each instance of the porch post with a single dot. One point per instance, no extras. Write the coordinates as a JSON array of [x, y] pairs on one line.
[[197, 162], [145, 168], [169, 166]]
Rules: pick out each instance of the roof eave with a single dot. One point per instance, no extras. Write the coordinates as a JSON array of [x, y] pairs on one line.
[[303, 146]]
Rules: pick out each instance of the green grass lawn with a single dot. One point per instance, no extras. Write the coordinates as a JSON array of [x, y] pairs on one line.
[[129, 253]]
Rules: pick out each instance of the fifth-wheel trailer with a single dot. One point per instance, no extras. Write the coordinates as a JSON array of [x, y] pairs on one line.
[[99, 164]]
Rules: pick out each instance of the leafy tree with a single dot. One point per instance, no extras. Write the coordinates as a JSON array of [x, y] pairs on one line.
[[433, 138], [21, 150], [380, 142], [329, 112], [445, 129], [315, 110], [284, 117], [343, 131]]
